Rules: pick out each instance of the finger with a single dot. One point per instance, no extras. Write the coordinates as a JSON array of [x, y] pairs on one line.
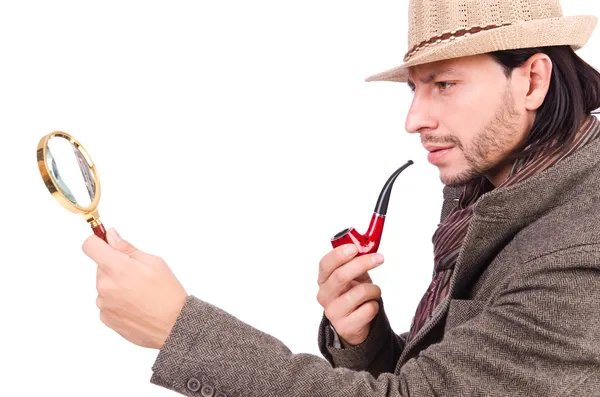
[[106, 317], [323, 299], [334, 259], [111, 319], [100, 302], [338, 282], [124, 246], [360, 317], [100, 273], [351, 300], [105, 256], [104, 284]]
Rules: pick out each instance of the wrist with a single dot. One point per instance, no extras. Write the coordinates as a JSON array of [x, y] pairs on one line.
[[167, 325]]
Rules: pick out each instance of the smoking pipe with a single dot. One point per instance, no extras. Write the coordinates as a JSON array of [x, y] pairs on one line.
[[369, 243]]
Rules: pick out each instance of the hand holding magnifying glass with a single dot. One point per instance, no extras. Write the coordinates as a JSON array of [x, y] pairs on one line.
[[142, 299]]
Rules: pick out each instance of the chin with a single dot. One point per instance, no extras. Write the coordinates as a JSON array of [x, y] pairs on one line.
[[455, 178], [452, 182]]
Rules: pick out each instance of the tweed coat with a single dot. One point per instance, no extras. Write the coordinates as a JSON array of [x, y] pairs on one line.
[[522, 317]]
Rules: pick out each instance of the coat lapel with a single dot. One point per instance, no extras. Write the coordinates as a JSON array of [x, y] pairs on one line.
[[484, 240]]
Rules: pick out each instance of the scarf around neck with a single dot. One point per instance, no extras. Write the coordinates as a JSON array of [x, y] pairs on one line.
[[449, 236]]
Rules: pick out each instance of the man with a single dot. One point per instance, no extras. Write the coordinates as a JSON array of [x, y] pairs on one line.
[[503, 104]]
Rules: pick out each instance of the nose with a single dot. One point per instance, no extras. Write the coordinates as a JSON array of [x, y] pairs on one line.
[[420, 116]]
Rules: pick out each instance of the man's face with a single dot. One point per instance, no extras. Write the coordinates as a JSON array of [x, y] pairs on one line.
[[470, 107]]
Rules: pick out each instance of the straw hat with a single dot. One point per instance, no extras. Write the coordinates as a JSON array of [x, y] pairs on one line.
[[445, 29]]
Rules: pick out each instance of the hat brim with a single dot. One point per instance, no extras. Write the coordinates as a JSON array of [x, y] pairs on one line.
[[573, 31]]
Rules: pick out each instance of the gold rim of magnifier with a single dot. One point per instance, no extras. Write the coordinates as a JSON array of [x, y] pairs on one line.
[[90, 212]]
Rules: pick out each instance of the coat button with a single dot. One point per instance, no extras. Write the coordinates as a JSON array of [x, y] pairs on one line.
[[207, 391], [193, 384], [221, 394]]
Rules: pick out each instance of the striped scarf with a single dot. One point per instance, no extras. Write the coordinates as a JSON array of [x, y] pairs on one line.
[[448, 238]]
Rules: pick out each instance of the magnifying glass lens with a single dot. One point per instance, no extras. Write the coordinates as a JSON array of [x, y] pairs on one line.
[[70, 176]]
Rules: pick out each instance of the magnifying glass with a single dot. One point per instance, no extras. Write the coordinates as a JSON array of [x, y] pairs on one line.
[[70, 176]]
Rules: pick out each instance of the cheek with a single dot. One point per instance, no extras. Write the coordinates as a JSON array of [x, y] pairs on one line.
[[478, 104], [460, 123], [467, 113]]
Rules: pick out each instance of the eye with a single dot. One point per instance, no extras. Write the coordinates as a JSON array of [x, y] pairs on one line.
[[444, 85]]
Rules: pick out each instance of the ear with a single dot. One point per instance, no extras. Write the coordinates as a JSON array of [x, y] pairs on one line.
[[538, 70]]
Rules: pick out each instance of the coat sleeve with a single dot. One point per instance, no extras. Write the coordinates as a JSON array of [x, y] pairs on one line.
[[538, 337], [379, 353]]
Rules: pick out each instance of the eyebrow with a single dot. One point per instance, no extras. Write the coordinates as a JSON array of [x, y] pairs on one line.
[[431, 76]]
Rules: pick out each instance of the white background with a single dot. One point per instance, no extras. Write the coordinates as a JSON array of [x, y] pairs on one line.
[[232, 138]]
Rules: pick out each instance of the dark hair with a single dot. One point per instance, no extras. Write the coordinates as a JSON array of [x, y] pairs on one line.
[[573, 94]]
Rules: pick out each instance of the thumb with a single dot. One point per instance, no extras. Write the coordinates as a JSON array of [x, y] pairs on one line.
[[117, 242]]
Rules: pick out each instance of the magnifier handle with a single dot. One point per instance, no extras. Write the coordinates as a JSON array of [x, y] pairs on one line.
[[100, 231]]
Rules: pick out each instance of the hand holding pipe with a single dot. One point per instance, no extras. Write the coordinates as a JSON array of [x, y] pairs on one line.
[[369, 242]]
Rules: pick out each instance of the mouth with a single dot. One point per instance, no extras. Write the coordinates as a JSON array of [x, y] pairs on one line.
[[440, 149], [433, 147], [436, 155]]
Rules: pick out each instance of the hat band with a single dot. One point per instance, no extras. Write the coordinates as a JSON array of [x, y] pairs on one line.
[[449, 36]]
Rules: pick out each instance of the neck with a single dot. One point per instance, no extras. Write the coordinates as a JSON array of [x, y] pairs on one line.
[[499, 174], [502, 172]]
